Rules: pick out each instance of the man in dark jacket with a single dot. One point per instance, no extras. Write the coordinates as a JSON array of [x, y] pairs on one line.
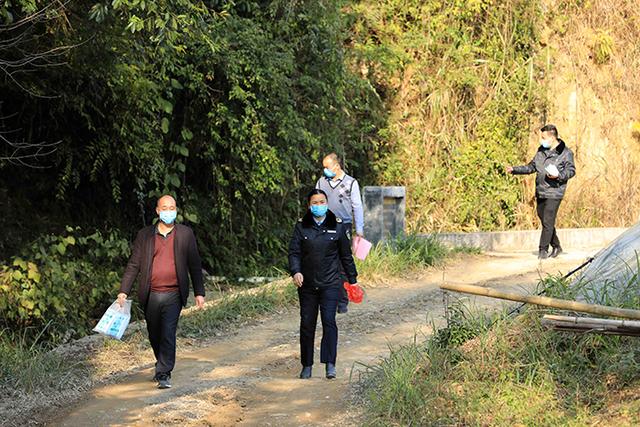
[[554, 167], [164, 256]]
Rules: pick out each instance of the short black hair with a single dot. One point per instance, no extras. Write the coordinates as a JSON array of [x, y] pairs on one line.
[[550, 129], [314, 192]]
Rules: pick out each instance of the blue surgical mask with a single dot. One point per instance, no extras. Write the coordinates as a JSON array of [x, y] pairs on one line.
[[545, 143], [329, 173], [168, 216], [319, 211]]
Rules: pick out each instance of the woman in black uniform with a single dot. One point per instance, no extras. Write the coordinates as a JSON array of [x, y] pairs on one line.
[[320, 246]]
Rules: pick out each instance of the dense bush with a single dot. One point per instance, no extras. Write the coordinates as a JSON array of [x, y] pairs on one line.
[[60, 283], [231, 105], [228, 105]]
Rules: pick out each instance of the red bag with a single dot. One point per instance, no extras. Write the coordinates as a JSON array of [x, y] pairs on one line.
[[354, 292]]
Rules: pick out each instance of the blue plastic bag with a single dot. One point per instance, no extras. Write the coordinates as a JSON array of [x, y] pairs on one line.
[[115, 320]]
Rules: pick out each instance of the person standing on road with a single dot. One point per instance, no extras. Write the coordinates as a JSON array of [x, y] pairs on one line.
[[320, 247], [345, 201], [554, 166], [164, 256]]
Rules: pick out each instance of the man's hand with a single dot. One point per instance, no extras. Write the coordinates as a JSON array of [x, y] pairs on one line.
[[298, 279], [509, 169], [122, 297], [200, 301], [552, 176], [360, 234]]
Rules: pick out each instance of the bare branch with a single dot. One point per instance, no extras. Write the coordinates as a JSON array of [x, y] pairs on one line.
[[26, 153], [21, 53]]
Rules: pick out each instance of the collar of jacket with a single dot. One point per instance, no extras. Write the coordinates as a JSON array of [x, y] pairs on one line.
[[330, 221], [559, 149]]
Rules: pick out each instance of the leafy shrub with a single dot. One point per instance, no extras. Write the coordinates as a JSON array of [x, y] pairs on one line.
[[228, 105], [62, 281]]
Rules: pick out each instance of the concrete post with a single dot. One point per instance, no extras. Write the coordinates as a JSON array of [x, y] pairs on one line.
[[384, 209]]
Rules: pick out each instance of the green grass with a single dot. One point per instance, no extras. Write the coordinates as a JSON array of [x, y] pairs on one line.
[[29, 366], [237, 307], [404, 255], [504, 370]]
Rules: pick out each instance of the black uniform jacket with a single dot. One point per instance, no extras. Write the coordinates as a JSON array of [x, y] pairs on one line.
[[320, 252], [187, 259]]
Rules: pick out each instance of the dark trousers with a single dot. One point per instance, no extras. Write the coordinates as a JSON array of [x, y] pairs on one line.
[[326, 300], [162, 313], [547, 212]]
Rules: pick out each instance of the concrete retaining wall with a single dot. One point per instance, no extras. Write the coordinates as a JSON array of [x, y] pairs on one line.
[[527, 240]]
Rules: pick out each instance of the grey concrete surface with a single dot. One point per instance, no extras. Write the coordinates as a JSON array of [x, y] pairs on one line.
[[527, 240]]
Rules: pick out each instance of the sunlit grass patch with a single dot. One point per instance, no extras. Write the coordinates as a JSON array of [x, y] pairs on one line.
[[505, 370], [405, 255]]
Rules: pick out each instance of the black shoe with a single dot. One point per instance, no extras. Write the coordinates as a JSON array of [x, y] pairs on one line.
[[331, 371], [305, 374], [164, 381], [543, 254], [343, 308], [555, 252], [155, 378]]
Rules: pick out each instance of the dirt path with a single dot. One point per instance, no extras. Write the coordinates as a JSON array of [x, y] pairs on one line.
[[250, 378]]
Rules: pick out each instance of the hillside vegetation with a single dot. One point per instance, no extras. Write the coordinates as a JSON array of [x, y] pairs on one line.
[[593, 86], [467, 84], [231, 105], [458, 80]]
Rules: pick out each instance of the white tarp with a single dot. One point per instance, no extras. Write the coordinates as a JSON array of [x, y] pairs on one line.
[[613, 274]]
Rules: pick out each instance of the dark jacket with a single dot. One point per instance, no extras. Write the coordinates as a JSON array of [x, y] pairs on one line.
[[320, 252], [187, 263], [562, 158]]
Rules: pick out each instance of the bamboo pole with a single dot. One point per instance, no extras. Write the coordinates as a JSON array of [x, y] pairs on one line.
[[592, 321], [601, 310], [605, 330], [589, 324]]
